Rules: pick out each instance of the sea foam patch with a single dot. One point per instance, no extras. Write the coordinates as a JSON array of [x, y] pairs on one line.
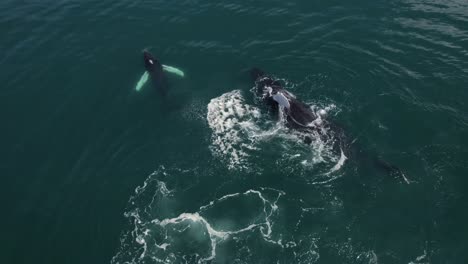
[[194, 237], [168, 225], [232, 122], [239, 131]]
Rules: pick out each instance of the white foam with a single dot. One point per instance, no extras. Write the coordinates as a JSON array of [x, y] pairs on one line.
[[239, 129], [163, 230], [163, 246], [322, 113], [420, 259], [368, 256], [231, 121], [340, 162], [161, 251]]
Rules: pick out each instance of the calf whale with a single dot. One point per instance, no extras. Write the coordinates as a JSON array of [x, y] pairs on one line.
[[154, 70], [300, 117]]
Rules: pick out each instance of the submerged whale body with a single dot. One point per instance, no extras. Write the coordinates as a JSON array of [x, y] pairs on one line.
[[300, 117], [154, 69]]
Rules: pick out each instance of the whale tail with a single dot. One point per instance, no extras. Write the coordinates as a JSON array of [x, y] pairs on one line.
[[372, 158]]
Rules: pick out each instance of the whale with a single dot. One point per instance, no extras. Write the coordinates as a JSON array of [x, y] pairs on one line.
[[155, 71], [297, 115], [300, 117]]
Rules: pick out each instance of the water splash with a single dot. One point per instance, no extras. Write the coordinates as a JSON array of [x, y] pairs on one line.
[[193, 236], [232, 121], [240, 132]]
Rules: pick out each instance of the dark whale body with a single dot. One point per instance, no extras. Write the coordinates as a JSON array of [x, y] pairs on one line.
[[301, 118], [155, 71]]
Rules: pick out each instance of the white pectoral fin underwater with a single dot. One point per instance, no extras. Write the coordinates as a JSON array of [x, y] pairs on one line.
[[142, 81], [144, 78], [173, 70]]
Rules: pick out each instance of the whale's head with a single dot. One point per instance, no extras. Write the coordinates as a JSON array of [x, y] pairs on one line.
[[151, 63], [263, 84], [269, 90]]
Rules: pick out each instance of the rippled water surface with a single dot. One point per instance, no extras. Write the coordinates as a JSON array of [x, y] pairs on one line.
[[96, 172]]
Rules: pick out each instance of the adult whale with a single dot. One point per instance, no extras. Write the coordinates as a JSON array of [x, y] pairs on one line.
[[300, 117], [154, 70]]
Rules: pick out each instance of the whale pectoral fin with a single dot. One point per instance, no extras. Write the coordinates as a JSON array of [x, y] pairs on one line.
[[142, 81], [173, 70]]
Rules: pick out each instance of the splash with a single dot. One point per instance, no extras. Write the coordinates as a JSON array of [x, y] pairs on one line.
[[194, 237], [217, 236], [423, 259], [167, 225], [239, 130], [232, 121], [340, 162]]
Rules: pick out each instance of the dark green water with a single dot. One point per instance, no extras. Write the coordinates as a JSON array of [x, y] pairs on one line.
[[94, 172]]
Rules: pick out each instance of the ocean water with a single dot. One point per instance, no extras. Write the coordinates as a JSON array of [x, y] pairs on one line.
[[96, 172]]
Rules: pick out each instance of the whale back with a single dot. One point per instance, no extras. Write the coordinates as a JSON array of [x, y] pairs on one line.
[[155, 71]]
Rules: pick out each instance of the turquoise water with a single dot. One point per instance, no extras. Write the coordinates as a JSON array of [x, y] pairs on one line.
[[95, 172]]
